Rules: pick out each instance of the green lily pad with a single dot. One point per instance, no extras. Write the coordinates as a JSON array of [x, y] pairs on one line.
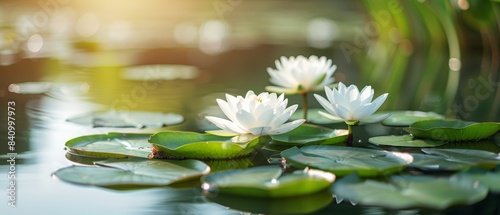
[[267, 181], [404, 141], [406, 118], [453, 130], [135, 119], [454, 159], [486, 178], [307, 134], [111, 145], [178, 144], [313, 116], [404, 192], [343, 160], [133, 172]]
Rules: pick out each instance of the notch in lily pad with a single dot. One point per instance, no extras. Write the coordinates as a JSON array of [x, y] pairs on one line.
[[181, 145], [267, 182], [453, 130], [133, 172], [403, 192], [342, 160], [307, 134], [127, 119]]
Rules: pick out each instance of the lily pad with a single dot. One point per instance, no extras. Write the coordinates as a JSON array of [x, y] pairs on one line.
[[486, 178], [404, 192], [125, 119], [267, 181], [343, 160], [404, 141], [305, 204], [453, 130], [406, 118], [111, 145], [307, 134], [454, 159], [133, 172], [178, 144], [313, 116]]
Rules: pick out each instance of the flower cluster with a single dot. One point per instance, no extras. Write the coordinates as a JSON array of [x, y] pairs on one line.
[[267, 114]]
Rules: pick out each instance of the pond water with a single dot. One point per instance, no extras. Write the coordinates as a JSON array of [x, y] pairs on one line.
[[72, 75]]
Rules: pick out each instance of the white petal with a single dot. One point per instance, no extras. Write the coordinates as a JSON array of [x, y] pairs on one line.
[[226, 109], [375, 118], [325, 104], [245, 119], [342, 112], [364, 111], [329, 116], [222, 133], [226, 125], [287, 127], [329, 94], [379, 101]]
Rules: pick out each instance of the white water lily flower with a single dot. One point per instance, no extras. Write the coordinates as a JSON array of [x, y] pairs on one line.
[[263, 114], [301, 75], [350, 105]]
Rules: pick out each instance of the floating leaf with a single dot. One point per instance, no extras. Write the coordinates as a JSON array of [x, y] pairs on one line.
[[307, 134], [486, 178], [267, 181], [305, 204], [111, 145], [453, 130], [133, 172], [406, 118], [206, 146], [343, 160], [313, 116], [403, 141], [136, 119], [454, 159], [410, 192]]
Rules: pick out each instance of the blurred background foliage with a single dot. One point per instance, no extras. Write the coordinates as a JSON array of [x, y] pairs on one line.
[[439, 56]]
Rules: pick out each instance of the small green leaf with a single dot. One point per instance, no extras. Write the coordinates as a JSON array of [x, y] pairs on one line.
[[136, 119], [453, 130], [111, 145], [410, 192], [206, 146], [343, 160], [406, 118], [307, 134], [267, 181], [133, 172], [403, 141], [454, 159]]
